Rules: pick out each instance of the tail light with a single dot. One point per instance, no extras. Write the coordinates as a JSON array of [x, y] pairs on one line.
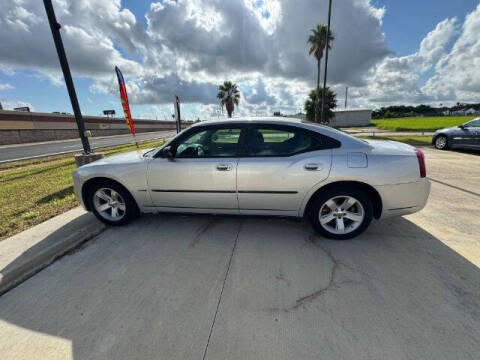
[[421, 162]]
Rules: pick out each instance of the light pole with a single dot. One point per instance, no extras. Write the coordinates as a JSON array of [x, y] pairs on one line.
[[346, 96], [327, 37], [62, 57]]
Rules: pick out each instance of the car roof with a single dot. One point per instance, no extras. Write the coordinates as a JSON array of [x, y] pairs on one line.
[[269, 119], [323, 129]]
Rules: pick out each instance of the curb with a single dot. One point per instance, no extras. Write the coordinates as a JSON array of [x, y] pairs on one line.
[[25, 254]]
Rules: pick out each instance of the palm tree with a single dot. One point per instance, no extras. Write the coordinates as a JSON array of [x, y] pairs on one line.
[[229, 96], [317, 42], [312, 102]]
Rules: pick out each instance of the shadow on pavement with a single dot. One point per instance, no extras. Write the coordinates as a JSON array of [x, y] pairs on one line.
[[80, 228], [150, 290]]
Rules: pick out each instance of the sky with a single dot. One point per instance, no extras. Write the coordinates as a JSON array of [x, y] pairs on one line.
[[387, 52]]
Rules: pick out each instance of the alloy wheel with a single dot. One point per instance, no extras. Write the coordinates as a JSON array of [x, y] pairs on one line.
[[109, 204], [441, 142], [341, 215]]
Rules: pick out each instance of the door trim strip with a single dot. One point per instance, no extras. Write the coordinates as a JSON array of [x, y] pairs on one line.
[[225, 191], [196, 191], [266, 192]]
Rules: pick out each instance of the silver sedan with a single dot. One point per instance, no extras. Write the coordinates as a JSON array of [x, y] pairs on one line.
[[261, 166]]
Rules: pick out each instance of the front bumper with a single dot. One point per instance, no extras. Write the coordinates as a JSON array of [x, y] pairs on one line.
[[403, 199], [77, 188]]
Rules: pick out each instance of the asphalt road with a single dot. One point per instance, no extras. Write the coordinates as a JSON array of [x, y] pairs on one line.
[[24, 151], [218, 287]]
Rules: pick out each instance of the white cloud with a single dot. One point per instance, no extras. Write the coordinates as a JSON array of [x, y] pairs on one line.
[[457, 74], [11, 104], [6, 87], [396, 80]]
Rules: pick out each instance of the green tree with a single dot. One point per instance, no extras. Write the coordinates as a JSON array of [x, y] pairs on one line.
[[229, 96], [317, 42], [311, 103]]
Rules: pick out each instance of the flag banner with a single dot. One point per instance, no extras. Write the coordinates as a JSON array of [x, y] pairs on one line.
[[124, 98], [177, 113]]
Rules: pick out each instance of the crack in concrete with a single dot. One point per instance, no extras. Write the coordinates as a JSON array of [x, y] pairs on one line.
[[282, 277], [331, 284], [223, 287], [203, 229]]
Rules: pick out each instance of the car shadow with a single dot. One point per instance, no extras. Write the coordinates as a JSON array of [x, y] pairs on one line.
[[406, 267], [47, 249], [465, 151]]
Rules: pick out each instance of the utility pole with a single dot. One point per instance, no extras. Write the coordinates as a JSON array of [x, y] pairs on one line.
[[346, 96], [62, 57], [322, 114]]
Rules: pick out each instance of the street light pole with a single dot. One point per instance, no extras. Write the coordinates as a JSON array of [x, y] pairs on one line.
[[327, 36], [62, 57], [346, 96]]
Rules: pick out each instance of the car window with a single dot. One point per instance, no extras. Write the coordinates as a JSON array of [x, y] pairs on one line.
[[473, 123], [210, 143], [280, 142]]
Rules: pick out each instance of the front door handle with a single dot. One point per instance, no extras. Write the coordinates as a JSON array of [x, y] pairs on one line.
[[224, 167], [313, 167]]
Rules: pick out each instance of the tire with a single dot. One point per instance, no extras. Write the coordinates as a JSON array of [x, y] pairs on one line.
[[355, 217], [119, 205], [441, 142]]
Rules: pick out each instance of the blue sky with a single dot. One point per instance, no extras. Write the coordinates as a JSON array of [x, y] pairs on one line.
[[266, 85]]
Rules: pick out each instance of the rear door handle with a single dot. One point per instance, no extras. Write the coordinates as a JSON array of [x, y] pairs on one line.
[[313, 167], [224, 167]]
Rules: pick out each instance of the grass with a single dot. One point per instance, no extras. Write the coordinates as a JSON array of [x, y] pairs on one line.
[[33, 191], [414, 140], [420, 123]]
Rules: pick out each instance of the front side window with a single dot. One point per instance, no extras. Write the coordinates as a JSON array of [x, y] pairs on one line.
[[473, 123], [280, 141], [207, 143]]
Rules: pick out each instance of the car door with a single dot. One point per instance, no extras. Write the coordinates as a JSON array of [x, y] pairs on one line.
[[464, 136], [278, 166], [474, 131], [202, 174]]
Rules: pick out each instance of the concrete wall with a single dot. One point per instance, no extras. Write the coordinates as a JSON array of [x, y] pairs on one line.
[[22, 127], [351, 117]]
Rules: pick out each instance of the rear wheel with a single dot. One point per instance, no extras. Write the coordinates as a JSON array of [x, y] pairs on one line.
[[111, 203], [441, 142], [341, 213]]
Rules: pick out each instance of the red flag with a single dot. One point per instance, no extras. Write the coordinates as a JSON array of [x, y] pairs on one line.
[[124, 98]]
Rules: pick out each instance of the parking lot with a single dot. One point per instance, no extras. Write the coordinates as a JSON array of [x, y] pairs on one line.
[[219, 287]]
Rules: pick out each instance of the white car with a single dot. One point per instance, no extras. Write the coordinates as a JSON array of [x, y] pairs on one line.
[[261, 166]]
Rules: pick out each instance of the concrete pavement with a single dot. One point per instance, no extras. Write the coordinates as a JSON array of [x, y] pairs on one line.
[[206, 287], [27, 151]]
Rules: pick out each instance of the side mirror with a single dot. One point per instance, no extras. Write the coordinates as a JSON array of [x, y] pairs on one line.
[[461, 126], [167, 152]]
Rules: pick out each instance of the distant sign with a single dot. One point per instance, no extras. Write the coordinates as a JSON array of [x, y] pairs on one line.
[[23, 108], [109, 112]]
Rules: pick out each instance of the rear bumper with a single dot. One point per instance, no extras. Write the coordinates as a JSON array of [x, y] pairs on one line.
[[403, 199]]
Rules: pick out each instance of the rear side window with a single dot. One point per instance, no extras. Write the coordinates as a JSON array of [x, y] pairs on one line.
[[281, 141]]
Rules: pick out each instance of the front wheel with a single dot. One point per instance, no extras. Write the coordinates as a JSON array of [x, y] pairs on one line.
[[341, 213], [441, 142], [111, 203]]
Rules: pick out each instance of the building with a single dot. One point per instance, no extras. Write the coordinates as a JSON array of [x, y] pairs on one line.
[[351, 117], [471, 111], [343, 117]]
